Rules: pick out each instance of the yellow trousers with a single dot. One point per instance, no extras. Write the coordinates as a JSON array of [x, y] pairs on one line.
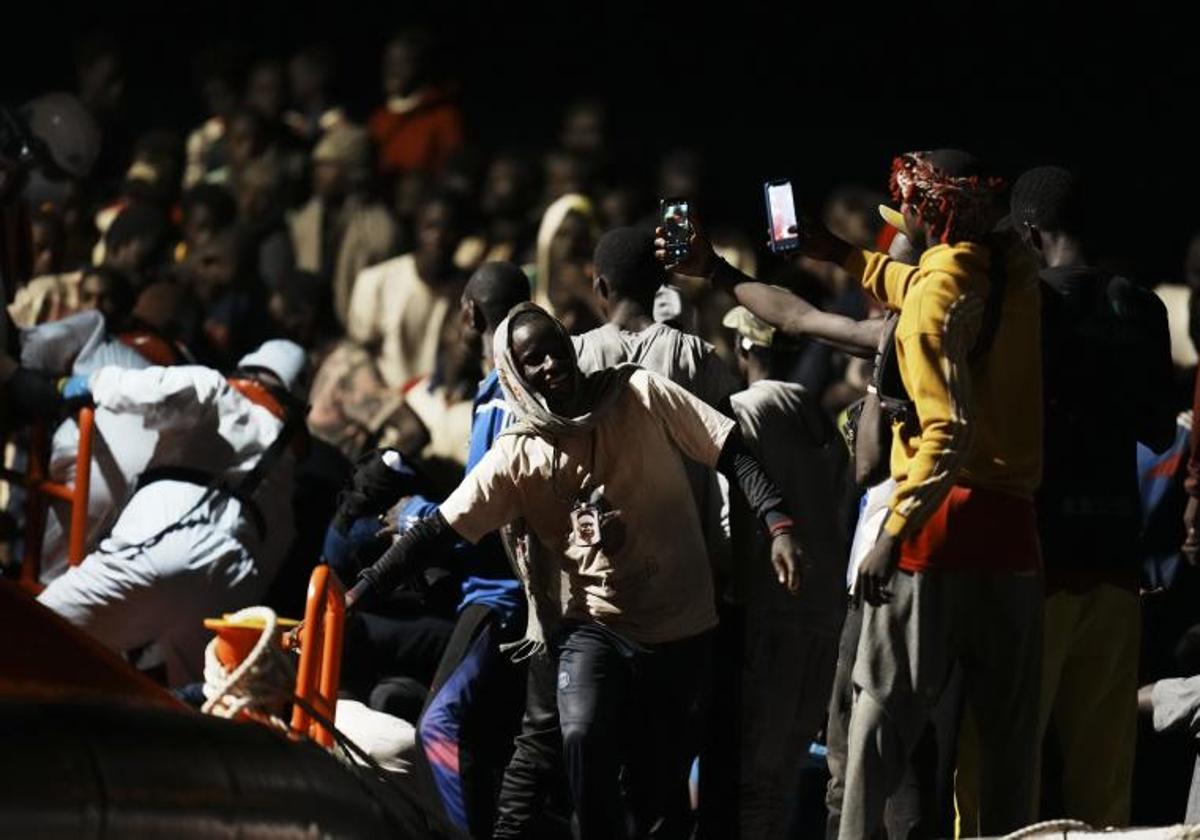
[[1089, 692]]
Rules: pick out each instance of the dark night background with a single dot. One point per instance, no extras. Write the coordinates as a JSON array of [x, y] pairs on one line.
[[822, 92]]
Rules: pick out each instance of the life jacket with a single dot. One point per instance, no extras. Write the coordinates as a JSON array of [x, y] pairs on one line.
[[261, 395], [152, 347]]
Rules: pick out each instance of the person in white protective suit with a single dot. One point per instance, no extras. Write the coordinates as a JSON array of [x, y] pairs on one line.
[[207, 525], [79, 345]]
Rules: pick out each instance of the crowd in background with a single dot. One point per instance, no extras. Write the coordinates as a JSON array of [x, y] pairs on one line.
[[283, 258]]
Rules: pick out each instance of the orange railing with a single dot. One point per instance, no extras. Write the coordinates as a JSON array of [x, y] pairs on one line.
[[320, 639], [39, 489]]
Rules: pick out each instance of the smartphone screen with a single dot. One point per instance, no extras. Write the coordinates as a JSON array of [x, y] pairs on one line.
[[781, 215], [678, 226]]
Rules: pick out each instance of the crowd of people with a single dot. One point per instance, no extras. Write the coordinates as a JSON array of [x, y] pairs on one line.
[[640, 545]]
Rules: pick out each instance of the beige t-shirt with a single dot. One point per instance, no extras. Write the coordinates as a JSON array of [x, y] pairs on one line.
[[649, 578], [392, 306]]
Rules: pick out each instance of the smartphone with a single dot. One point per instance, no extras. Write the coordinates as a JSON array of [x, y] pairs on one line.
[[675, 219], [781, 216]]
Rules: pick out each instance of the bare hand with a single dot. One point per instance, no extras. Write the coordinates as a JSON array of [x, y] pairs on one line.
[[701, 259], [876, 570], [787, 558], [1191, 540]]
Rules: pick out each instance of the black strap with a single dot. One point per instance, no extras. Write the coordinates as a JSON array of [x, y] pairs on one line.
[[271, 455], [209, 481], [994, 305]]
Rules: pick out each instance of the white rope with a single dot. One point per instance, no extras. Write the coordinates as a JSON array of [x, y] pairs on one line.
[[263, 679], [1048, 827]]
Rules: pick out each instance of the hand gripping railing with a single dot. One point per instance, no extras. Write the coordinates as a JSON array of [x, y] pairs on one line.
[[320, 639]]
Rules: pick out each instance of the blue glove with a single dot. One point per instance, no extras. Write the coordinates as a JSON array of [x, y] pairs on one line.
[[76, 388]]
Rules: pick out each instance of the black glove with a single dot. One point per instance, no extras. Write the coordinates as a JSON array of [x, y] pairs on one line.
[[375, 487]]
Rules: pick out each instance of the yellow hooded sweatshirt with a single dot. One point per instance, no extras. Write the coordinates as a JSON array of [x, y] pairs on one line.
[[980, 424]]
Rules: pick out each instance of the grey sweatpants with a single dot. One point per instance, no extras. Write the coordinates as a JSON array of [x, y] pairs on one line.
[[991, 624]]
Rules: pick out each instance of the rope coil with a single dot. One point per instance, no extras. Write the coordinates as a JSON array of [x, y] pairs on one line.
[[259, 684]]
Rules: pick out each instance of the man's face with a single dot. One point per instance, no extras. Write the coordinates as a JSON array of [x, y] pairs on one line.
[[265, 90], [307, 79], [198, 226], [436, 234], [918, 233], [583, 133], [215, 268], [563, 175], [46, 249], [572, 241], [503, 188], [468, 319], [329, 181], [401, 68], [546, 362], [253, 200], [244, 142], [902, 250], [295, 321], [219, 97]]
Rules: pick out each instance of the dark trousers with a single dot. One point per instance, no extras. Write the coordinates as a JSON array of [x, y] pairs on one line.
[[635, 707], [466, 729], [536, 763], [923, 805]]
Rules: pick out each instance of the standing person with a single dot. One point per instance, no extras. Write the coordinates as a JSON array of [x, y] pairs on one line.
[[924, 803], [216, 80], [340, 230], [314, 111], [791, 644], [954, 577], [400, 305], [419, 126], [627, 276], [1100, 334], [464, 730], [593, 465], [259, 191]]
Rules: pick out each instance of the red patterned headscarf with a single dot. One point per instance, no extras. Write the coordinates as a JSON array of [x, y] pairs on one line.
[[956, 208]]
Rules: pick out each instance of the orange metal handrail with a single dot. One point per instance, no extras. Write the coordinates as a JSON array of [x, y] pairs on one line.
[[319, 674], [39, 489]]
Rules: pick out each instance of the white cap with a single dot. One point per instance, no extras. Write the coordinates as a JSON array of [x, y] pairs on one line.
[[286, 359]]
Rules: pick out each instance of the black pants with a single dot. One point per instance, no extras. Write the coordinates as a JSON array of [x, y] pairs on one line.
[[406, 644], [536, 764], [635, 707]]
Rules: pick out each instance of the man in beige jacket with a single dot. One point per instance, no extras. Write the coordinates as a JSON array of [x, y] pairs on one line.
[[340, 230]]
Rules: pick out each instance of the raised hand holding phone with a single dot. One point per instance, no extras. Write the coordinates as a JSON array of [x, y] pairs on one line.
[[676, 224], [782, 223], [696, 258]]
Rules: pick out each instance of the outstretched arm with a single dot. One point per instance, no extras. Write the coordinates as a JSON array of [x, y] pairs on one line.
[[429, 538], [738, 465], [795, 317]]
